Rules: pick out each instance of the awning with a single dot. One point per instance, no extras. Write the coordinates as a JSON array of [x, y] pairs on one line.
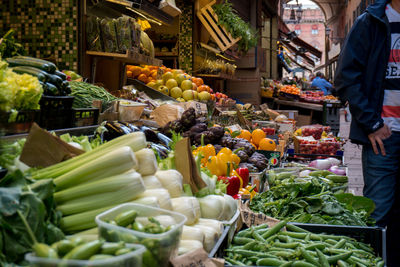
[[292, 37], [295, 62], [294, 50]]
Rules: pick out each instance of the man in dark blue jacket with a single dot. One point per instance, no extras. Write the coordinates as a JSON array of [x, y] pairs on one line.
[[368, 78]]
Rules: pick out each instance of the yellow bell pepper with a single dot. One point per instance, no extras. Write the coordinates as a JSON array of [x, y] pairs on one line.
[[206, 152], [248, 190], [220, 163], [213, 164]]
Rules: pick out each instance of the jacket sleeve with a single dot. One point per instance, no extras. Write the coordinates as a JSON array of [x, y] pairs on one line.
[[349, 74]]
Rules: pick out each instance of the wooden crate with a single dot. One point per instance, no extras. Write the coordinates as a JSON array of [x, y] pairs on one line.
[[220, 35]]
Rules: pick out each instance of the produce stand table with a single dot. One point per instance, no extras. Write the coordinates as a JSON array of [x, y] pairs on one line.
[[310, 106]]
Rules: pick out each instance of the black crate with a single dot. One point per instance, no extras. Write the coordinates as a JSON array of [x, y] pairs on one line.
[[56, 102], [84, 116], [56, 112], [331, 113], [22, 122], [375, 236]]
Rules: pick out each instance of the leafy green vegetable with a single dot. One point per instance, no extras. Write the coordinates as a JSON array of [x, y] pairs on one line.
[[228, 17], [9, 152], [310, 200], [35, 202]]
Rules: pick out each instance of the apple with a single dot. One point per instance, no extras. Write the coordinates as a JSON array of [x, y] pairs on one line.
[[180, 99], [177, 72], [195, 95], [194, 88], [186, 85], [176, 92], [152, 85], [171, 83], [167, 76], [204, 96], [180, 78], [158, 83], [163, 89], [188, 95]]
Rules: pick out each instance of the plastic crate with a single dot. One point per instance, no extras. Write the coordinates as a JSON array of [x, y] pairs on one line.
[[331, 115], [168, 241], [84, 116], [21, 124], [133, 258], [56, 112], [375, 236]]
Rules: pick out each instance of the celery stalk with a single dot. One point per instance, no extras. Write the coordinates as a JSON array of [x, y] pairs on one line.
[[135, 140], [115, 162]]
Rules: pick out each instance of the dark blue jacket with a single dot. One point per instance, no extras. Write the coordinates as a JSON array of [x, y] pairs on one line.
[[361, 69], [322, 84]]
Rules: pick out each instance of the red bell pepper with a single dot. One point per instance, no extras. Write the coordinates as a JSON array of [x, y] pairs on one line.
[[244, 174], [233, 183]]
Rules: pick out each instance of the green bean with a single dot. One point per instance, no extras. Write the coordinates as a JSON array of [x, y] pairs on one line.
[[257, 237], [307, 256], [322, 259], [274, 229], [295, 228], [340, 244], [286, 245], [345, 256], [241, 240], [341, 263]]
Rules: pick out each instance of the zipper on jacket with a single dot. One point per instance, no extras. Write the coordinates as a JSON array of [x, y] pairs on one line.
[[387, 52]]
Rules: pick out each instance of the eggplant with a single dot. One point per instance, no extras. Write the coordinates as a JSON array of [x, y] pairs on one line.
[[151, 136], [123, 128], [161, 151], [131, 126], [164, 139]]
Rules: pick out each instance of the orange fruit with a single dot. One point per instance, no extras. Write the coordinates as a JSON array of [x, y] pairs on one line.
[[267, 144], [129, 74], [145, 71], [257, 135], [135, 71], [142, 78], [245, 134], [154, 74]]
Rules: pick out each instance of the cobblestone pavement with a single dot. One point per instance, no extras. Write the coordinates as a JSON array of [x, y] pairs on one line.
[[352, 158]]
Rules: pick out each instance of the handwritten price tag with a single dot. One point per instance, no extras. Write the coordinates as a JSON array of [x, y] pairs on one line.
[[196, 258]]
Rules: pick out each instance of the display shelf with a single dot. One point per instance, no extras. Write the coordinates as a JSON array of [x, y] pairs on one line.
[[166, 54], [316, 107], [131, 57], [221, 76], [165, 41]]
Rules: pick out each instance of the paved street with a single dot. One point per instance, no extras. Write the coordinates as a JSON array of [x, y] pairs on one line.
[[352, 158]]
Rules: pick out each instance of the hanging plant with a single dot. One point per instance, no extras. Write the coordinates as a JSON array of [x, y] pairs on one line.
[[228, 18]]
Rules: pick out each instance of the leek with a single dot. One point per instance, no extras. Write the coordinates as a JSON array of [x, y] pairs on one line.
[[147, 161], [110, 184], [115, 162], [149, 201], [192, 233], [162, 195], [90, 202], [151, 182], [210, 236], [186, 246], [172, 181], [135, 141], [188, 206]]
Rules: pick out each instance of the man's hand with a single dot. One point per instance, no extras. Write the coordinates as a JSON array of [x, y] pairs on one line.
[[377, 137]]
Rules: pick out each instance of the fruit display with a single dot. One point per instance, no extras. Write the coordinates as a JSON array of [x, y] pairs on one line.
[[172, 82], [312, 96], [209, 66], [331, 98], [290, 89]]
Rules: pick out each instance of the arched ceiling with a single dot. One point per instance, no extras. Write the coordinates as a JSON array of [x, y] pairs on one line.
[[330, 8]]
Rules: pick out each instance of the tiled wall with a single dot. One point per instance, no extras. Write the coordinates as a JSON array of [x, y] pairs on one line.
[[46, 28], [186, 35]]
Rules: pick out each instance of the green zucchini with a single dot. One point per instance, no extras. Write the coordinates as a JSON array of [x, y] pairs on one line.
[[13, 62], [32, 71], [52, 67], [54, 79], [60, 74], [52, 90]]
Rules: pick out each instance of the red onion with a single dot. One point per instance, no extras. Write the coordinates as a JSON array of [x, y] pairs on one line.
[[338, 171]]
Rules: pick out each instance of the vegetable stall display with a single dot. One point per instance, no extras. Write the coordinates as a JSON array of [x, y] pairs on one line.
[[307, 195], [263, 246]]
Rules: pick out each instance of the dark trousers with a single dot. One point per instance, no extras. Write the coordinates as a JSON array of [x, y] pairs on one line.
[[381, 184]]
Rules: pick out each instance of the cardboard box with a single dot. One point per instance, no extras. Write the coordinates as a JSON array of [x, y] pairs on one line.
[[247, 91], [303, 120]]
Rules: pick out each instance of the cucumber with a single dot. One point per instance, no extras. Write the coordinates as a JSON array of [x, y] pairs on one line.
[[66, 87], [52, 67], [54, 79], [32, 71], [52, 90], [13, 62], [60, 74]]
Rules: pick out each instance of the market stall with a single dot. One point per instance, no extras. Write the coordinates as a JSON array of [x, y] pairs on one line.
[[140, 163]]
